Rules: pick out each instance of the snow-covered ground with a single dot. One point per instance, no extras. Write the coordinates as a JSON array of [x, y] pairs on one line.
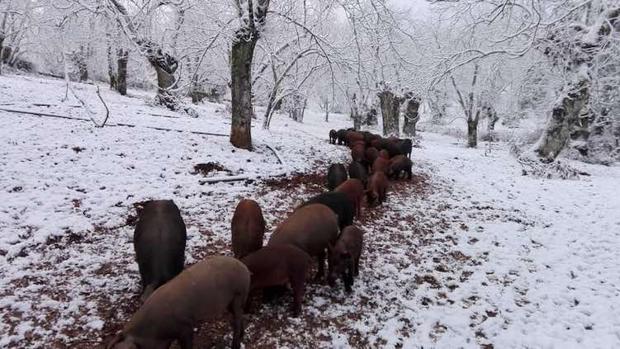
[[471, 253]]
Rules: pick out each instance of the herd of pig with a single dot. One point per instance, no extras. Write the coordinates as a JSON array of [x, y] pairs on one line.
[[176, 300]]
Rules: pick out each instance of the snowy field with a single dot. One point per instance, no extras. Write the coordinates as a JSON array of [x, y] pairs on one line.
[[469, 254]]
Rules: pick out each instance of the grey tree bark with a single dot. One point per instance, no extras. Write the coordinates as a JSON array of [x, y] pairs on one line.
[[121, 76], [241, 57], [411, 115], [564, 116], [390, 112]]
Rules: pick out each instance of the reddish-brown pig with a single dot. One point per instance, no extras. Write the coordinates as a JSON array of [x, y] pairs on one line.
[[371, 154], [399, 164], [311, 228], [344, 256], [248, 228], [384, 154], [201, 292], [358, 152], [380, 165], [354, 188], [353, 136], [280, 265], [377, 188]]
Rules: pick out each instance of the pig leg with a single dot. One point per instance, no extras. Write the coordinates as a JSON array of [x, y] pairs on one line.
[[297, 279], [357, 266], [186, 339], [348, 276], [236, 308], [321, 272]]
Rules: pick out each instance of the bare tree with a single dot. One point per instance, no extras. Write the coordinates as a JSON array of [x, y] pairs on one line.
[[252, 20]]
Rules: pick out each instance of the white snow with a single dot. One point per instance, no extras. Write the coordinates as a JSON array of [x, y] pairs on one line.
[[479, 255]]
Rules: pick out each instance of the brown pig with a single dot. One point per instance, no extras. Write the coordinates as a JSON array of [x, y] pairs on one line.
[[384, 154], [380, 165], [311, 228], [201, 292], [353, 136], [248, 228], [344, 256], [354, 188], [371, 154], [159, 243], [280, 265], [399, 164], [377, 187], [358, 152]]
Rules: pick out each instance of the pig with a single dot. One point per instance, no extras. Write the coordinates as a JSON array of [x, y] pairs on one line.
[[354, 189], [333, 136], [384, 154], [342, 136], [280, 265], [377, 187], [399, 164], [376, 143], [358, 152], [248, 228], [311, 228], [405, 147], [339, 203], [352, 136], [357, 170], [357, 143], [391, 146], [336, 174], [204, 291], [344, 256], [159, 242], [381, 165], [371, 155]]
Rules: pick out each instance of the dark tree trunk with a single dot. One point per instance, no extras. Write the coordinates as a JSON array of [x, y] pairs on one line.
[[82, 66], [241, 90], [390, 111], [1, 51], [371, 117], [112, 73], [564, 117], [242, 54], [121, 63], [472, 132], [492, 118], [411, 116]]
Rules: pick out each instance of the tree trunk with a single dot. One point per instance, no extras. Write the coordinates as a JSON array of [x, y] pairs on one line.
[[242, 54], [112, 72], [371, 117], [1, 51], [411, 117], [121, 77], [472, 132], [165, 66], [390, 110], [564, 117], [80, 62]]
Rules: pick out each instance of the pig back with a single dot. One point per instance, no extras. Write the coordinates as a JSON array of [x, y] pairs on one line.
[[201, 292], [159, 240], [248, 228], [310, 228]]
